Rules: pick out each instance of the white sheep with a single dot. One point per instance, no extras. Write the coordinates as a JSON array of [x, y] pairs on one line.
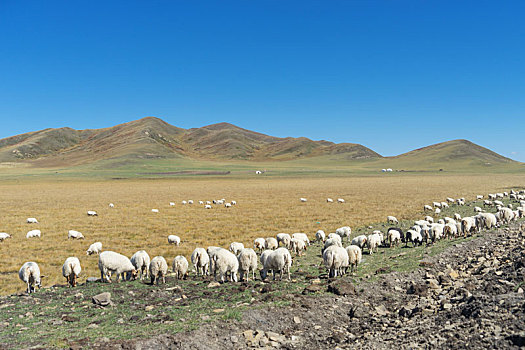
[[329, 200], [436, 204], [359, 241], [355, 256], [233, 202], [180, 266], [414, 237], [4, 235], [302, 236], [109, 262], [340, 200], [506, 215], [336, 259], [271, 243], [225, 261], [335, 240], [478, 209], [34, 233], [429, 219], [392, 220], [71, 270], [488, 220], [259, 244], [303, 200], [450, 230], [444, 205], [92, 213], [373, 241], [154, 210], [297, 246], [279, 260], [468, 224], [450, 200], [74, 235], [247, 262], [235, 247], [32, 221], [212, 251], [264, 255], [208, 202], [95, 248], [393, 237], [190, 201], [111, 205], [320, 236], [201, 261], [201, 202], [30, 274], [227, 205], [284, 238], [427, 207], [479, 196], [344, 231], [158, 268], [172, 204], [457, 217], [184, 202], [207, 206], [173, 239], [141, 262], [437, 211]]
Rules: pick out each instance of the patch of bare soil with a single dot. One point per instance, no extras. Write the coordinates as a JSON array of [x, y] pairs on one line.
[[469, 296]]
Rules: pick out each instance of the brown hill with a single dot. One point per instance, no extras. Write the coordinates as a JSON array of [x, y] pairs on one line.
[[153, 138]]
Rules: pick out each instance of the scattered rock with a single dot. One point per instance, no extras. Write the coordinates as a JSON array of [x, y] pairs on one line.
[[103, 299], [342, 287]]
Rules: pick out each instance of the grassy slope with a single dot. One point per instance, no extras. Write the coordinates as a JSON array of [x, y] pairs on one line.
[[54, 316]]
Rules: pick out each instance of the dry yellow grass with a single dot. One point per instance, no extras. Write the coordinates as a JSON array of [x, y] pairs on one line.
[[266, 206]]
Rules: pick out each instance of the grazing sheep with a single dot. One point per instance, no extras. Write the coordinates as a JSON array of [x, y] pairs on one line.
[[32, 221], [201, 261], [247, 262], [303, 200], [234, 202], [437, 211], [95, 248], [359, 241], [279, 260], [429, 219], [506, 215], [336, 259], [479, 196], [500, 203], [478, 209], [34, 233], [228, 205], [264, 255], [207, 206], [336, 240], [401, 233], [172, 204], [488, 220], [158, 268], [225, 262], [344, 231], [450, 230], [320, 236], [271, 243], [172, 239], [201, 202], [329, 200], [259, 244], [111, 205], [302, 236], [436, 232], [340, 200], [180, 266], [30, 274], [284, 238], [236, 247], [373, 241], [457, 217], [393, 237], [4, 236], [212, 251], [450, 200], [414, 237], [355, 256], [74, 235], [184, 202], [109, 262], [460, 201], [436, 204], [71, 270], [468, 225], [297, 246], [427, 207], [190, 201], [141, 262], [154, 210], [444, 205], [392, 220], [92, 213]]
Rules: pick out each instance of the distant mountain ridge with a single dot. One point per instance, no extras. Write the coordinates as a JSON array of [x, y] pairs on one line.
[[153, 138]]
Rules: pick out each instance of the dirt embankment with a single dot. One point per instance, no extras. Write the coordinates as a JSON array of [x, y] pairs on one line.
[[469, 296]]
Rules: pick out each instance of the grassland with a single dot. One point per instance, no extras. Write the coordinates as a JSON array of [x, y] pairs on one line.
[[266, 206]]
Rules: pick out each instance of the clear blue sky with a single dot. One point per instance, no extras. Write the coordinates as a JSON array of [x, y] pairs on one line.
[[391, 75]]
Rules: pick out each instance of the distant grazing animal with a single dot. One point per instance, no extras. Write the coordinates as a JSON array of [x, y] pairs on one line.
[[74, 235], [92, 213], [173, 239], [71, 270], [141, 261], [30, 274], [158, 268], [32, 221], [95, 248]]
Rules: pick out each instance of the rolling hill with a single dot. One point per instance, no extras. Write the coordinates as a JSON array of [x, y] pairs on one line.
[[145, 140]]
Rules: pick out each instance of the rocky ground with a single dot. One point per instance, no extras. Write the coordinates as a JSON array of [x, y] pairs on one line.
[[469, 296]]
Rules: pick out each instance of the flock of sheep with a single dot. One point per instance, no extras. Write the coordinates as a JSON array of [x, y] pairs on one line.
[[276, 252]]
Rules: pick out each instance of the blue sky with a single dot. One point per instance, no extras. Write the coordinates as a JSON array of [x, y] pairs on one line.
[[391, 75]]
